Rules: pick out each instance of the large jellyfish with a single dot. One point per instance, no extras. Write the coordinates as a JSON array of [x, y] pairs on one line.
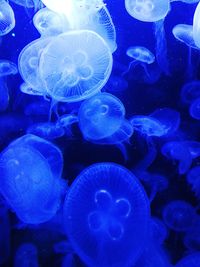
[[196, 26], [30, 178], [75, 65], [7, 18], [106, 216]]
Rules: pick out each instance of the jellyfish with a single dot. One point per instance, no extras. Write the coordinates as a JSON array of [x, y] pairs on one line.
[[29, 90], [178, 151], [49, 23], [148, 10], [196, 26], [46, 130], [28, 63], [75, 65], [178, 215], [66, 121], [194, 109], [106, 207], [5, 233], [141, 56], [6, 68], [30, 178], [193, 179], [192, 260], [98, 111], [159, 231], [26, 255], [190, 91], [36, 4], [7, 18]]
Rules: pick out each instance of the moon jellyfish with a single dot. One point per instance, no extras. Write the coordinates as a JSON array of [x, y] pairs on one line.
[[49, 23], [98, 111], [190, 92], [195, 109], [5, 234], [141, 56], [178, 215], [29, 90], [75, 65], [159, 231], [46, 130], [178, 151], [7, 18], [106, 207], [192, 260], [30, 178], [193, 178], [26, 255], [196, 25], [147, 10], [184, 34], [28, 63]]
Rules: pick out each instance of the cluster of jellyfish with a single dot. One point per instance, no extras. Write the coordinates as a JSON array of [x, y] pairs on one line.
[[99, 159]]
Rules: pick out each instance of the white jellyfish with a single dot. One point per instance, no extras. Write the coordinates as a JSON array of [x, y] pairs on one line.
[[7, 18]]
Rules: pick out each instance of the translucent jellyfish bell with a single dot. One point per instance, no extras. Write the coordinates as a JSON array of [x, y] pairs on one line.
[[196, 26], [107, 207], [148, 10], [7, 18], [75, 65], [195, 109], [184, 34], [28, 63], [98, 111], [190, 91], [7, 68], [49, 23]]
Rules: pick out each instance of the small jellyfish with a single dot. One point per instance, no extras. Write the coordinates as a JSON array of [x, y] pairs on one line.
[[75, 65], [46, 130], [7, 18], [49, 23], [195, 109], [106, 207], [148, 10], [178, 215], [98, 111], [192, 260], [190, 91], [184, 34], [141, 56], [196, 26], [178, 151], [159, 231], [193, 179], [26, 255]]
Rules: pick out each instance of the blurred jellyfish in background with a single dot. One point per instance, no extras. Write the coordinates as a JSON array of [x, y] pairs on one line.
[[7, 18], [193, 178], [179, 215], [26, 255], [194, 109], [6, 68], [190, 91], [75, 65], [107, 207]]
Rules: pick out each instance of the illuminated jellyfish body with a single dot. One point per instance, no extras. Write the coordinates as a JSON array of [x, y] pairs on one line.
[[6, 68], [7, 18], [49, 23], [195, 109], [159, 231], [26, 255], [196, 25], [65, 122], [46, 130], [30, 171], [29, 90], [98, 111], [192, 260], [5, 234], [193, 178], [190, 92], [141, 56], [28, 63], [106, 207], [75, 65], [178, 215], [184, 34], [180, 152]]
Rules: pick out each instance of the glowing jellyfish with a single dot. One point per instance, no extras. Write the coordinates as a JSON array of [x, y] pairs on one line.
[[49, 23], [141, 55], [184, 34], [26, 255], [66, 121], [178, 215], [196, 26], [29, 90], [107, 207], [30, 178], [192, 260], [190, 92], [75, 65], [193, 178], [5, 234], [28, 63], [195, 109], [98, 111], [178, 151], [148, 10], [46, 130], [7, 18], [159, 231]]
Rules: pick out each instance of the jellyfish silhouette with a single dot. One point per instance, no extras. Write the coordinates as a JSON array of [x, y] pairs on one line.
[[192, 260], [107, 208], [26, 255], [7, 18], [75, 65], [178, 215]]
